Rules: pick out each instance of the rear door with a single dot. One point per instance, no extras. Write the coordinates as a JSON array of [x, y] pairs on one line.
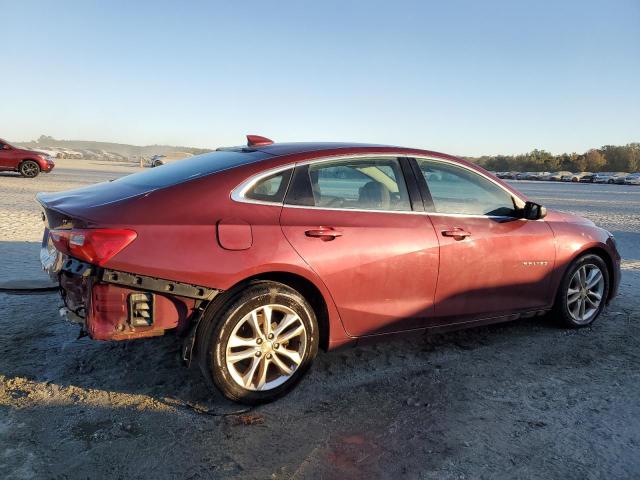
[[491, 261], [6, 158], [351, 220]]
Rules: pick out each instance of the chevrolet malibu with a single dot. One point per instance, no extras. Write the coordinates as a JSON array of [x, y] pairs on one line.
[[258, 256]]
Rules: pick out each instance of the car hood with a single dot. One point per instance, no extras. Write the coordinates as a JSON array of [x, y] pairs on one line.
[[558, 216], [29, 152]]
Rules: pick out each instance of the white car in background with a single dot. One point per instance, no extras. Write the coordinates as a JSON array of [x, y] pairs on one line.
[[575, 177], [158, 160], [633, 179], [609, 177], [555, 176]]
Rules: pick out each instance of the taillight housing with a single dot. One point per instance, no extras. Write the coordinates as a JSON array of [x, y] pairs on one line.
[[92, 245]]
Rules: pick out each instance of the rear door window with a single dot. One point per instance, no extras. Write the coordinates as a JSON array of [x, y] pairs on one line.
[[358, 184]]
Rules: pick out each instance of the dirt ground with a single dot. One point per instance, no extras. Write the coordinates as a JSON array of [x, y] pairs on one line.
[[520, 400]]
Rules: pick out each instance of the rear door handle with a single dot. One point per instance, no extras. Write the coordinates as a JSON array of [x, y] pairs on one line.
[[325, 233], [457, 233]]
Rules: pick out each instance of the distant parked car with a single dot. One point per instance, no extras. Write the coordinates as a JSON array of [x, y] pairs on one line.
[[530, 175], [633, 179], [28, 162], [536, 175], [158, 160], [576, 177], [609, 177], [555, 176], [507, 175]]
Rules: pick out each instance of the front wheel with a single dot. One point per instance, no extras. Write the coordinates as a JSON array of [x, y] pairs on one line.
[[583, 291], [29, 169], [260, 344]]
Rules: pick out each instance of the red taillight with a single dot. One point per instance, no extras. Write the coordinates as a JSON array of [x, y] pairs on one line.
[[93, 245]]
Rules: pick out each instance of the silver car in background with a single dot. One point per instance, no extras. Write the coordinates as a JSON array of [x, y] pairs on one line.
[[555, 176], [575, 177], [609, 177]]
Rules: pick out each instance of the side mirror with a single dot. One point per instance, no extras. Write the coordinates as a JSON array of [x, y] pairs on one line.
[[533, 211]]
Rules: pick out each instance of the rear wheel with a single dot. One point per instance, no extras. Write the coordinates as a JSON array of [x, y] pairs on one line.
[[583, 291], [29, 169], [260, 344]]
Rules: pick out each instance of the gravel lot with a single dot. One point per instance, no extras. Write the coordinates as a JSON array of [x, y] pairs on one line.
[[522, 400]]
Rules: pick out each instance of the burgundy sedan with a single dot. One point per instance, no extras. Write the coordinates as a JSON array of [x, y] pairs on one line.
[[28, 162], [260, 255]]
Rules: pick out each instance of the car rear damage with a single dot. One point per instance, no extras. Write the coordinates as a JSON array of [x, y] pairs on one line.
[[109, 304], [112, 305]]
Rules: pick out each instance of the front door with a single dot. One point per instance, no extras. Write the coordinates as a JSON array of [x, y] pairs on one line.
[[491, 261], [351, 221]]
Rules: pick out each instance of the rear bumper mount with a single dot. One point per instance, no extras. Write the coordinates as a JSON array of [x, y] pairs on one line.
[[140, 282]]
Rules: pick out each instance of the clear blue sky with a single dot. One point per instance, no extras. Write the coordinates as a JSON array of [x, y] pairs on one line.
[[466, 77]]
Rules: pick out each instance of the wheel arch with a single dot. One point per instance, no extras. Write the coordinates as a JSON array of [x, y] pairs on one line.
[[601, 252], [307, 289], [311, 292], [28, 159]]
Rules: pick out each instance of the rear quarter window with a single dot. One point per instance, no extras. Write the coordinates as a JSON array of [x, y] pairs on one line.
[[271, 188]]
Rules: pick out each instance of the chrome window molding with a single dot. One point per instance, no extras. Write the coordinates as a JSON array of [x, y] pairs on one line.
[[238, 193], [481, 174], [403, 212]]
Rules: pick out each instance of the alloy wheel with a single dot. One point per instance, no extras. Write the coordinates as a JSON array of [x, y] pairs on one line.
[[29, 169], [266, 347], [585, 292]]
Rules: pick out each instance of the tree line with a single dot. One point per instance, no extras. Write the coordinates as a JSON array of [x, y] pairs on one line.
[[610, 158]]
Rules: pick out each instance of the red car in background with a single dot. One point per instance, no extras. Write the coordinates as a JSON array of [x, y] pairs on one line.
[[261, 254], [28, 162]]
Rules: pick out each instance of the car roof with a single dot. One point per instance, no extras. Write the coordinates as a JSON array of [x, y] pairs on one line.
[[304, 147], [318, 149]]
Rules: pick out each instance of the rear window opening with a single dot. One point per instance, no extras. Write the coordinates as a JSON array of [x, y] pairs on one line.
[[191, 168]]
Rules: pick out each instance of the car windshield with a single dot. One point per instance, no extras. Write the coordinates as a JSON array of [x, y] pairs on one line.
[[191, 168]]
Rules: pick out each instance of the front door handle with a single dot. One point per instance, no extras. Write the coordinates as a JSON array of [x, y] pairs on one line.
[[457, 233], [324, 233]]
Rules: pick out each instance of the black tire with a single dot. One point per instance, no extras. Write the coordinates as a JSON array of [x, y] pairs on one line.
[[561, 307], [610, 181], [158, 163], [29, 169], [219, 323]]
